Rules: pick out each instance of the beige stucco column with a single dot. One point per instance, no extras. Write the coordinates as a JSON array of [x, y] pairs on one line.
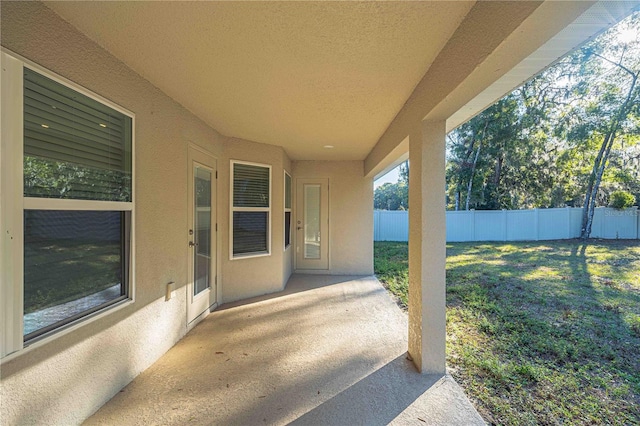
[[427, 247]]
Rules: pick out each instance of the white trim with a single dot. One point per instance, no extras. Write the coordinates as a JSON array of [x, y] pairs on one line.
[[249, 163], [252, 209], [251, 255], [69, 83], [218, 241], [302, 264], [68, 328], [11, 212], [202, 302], [249, 209], [11, 215], [32, 203], [287, 209]]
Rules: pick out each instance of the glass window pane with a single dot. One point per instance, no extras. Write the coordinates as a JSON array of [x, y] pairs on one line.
[[74, 146], [250, 185], [202, 230], [287, 229], [312, 221], [250, 232], [287, 191], [73, 265]]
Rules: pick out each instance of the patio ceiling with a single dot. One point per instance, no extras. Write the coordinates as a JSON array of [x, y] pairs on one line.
[[303, 75]]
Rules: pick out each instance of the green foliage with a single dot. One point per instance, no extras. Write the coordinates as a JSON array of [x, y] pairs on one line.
[[391, 196], [621, 199], [539, 145], [55, 179], [394, 196], [539, 332]]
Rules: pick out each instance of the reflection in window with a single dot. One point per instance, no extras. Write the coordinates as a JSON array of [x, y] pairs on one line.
[[73, 265]]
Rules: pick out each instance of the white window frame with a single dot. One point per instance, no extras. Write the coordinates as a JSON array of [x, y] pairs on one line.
[[287, 209], [14, 203], [233, 209]]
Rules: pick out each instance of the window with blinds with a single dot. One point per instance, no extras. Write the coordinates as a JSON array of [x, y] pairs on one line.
[[287, 210], [251, 207], [74, 146], [76, 249]]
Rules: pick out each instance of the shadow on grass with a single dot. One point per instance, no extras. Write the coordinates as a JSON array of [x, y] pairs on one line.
[[537, 330]]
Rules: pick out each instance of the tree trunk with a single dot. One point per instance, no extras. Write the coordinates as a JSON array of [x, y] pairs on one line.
[[602, 158], [473, 170], [473, 167], [596, 187]]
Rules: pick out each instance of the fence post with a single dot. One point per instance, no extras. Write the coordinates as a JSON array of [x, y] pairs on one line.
[[504, 223], [473, 224], [536, 223]]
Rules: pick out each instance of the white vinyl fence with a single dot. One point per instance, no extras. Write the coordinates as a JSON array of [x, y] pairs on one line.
[[516, 225]]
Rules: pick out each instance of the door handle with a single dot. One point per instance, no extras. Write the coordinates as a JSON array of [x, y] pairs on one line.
[[192, 244], [299, 228]]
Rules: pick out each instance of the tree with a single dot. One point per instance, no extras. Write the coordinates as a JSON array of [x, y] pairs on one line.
[[391, 196], [621, 199], [614, 99], [569, 137]]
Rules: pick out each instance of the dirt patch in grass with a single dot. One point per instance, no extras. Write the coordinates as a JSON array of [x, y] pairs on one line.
[[540, 333]]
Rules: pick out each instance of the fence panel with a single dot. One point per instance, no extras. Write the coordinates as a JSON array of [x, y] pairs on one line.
[[516, 225], [460, 226], [519, 225], [489, 226], [391, 226], [615, 224], [576, 222]]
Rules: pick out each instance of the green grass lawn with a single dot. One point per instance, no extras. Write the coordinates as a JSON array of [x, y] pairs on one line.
[[539, 332]]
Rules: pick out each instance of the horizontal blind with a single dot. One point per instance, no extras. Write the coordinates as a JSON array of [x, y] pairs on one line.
[[250, 186], [76, 146], [287, 229], [250, 232], [287, 191]]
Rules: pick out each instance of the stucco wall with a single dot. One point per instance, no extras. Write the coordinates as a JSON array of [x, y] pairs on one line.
[[350, 213], [66, 379], [246, 277], [287, 265]]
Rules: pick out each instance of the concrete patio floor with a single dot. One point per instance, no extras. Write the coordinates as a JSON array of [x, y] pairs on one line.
[[328, 350]]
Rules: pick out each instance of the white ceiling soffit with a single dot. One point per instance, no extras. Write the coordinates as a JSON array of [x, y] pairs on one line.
[[599, 17], [302, 75]]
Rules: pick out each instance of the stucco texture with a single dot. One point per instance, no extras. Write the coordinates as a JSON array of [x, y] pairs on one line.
[[242, 275], [67, 378]]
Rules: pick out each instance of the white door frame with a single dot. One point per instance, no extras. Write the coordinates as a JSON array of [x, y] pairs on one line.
[[321, 264], [199, 306]]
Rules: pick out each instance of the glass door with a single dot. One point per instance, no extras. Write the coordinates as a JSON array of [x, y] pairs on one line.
[[202, 288], [312, 224]]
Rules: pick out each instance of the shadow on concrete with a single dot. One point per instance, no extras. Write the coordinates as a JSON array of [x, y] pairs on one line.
[[324, 351], [376, 399]]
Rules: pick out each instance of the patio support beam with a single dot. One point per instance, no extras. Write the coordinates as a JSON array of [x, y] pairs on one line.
[[427, 246]]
